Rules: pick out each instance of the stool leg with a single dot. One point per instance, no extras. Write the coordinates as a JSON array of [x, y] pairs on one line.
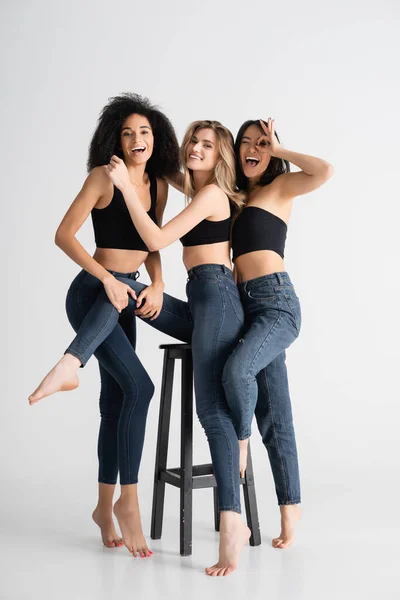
[[250, 501], [162, 446], [186, 470], [216, 511]]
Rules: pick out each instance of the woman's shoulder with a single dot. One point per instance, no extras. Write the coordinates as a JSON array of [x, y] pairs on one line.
[[212, 191], [99, 178]]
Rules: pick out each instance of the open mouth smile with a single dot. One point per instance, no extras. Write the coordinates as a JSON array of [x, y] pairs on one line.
[[138, 150], [252, 161]]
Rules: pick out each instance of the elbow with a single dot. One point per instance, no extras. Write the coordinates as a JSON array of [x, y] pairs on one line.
[[58, 238], [153, 247], [61, 238], [328, 171]]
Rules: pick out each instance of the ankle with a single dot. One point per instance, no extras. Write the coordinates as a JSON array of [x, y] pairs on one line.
[[103, 509], [70, 361], [229, 518]]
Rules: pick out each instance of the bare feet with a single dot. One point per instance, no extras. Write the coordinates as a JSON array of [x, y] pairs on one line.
[[128, 516], [290, 515], [243, 448], [234, 534], [62, 378], [108, 532]]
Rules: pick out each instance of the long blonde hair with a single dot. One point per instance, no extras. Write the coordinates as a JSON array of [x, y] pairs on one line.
[[224, 174]]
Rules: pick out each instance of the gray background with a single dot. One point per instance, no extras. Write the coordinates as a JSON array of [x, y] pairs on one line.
[[328, 74]]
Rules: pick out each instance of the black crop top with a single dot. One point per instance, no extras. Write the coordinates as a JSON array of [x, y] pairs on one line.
[[208, 232], [258, 229], [113, 226]]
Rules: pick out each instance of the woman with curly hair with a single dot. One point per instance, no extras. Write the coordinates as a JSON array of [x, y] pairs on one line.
[[131, 128], [255, 377], [213, 318]]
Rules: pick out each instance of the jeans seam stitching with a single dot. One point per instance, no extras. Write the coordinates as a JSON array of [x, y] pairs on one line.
[[215, 379], [275, 435], [133, 404]]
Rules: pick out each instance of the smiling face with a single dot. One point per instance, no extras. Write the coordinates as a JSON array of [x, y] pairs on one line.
[[137, 140], [202, 151], [254, 159]]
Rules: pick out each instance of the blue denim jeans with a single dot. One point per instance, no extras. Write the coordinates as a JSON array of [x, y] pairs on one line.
[[212, 321], [255, 376], [126, 388], [218, 320]]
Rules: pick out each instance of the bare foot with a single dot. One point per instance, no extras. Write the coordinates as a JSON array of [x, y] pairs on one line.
[[290, 515], [234, 534], [110, 537], [128, 517], [62, 378], [243, 448]]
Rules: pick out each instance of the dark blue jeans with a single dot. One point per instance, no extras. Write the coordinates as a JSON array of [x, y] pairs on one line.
[[126, 388], [255, 376], [212, 321]]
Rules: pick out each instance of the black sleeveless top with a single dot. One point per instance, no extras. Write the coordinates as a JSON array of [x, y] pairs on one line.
[[257, 229], [208, 232], [113, 226]]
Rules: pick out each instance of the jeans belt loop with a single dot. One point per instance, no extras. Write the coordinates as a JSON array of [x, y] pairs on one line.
[[137, 275], [279, 276]]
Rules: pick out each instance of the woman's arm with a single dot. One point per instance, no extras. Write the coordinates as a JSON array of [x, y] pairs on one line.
[[204, 205], [94, 188], [314, 171], [154, 292]]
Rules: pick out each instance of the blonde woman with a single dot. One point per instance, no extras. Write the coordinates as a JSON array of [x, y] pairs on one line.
[[214, 311]]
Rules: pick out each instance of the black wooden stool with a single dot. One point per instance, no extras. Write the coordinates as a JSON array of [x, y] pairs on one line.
[[188, 477]]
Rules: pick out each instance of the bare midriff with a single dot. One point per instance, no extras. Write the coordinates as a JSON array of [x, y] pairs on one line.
[[123, 261], [256, 264], [207, 254]]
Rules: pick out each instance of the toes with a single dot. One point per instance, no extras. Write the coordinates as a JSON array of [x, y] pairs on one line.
[[211, 570]]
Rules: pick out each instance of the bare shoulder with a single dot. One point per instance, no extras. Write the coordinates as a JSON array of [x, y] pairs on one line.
[[273, 191], [98, 178], [98, 188], [211, 192]]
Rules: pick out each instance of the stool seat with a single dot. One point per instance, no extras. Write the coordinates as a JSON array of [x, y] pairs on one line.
[[182, 347], [188, 477]]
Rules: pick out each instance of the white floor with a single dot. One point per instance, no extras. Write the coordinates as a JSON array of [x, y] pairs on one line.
[[345, 549]]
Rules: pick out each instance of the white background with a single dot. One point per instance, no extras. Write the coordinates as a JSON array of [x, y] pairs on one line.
[[328, 74]]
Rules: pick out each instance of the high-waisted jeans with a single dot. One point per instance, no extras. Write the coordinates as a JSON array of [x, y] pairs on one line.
[[212, 320], [255, 376], [126, 388]]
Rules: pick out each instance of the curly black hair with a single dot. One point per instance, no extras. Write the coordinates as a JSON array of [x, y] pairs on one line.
[[276, 166], [106, 139]]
